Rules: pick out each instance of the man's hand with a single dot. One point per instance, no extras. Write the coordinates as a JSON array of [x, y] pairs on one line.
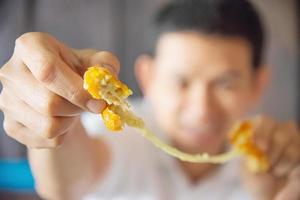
[[281, 143], [43, 91]]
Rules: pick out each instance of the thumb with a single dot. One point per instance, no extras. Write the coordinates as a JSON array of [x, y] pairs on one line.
[[79, 61], [91, 57]]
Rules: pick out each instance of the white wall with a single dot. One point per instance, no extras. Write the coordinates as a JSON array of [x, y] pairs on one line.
[[282, 57]]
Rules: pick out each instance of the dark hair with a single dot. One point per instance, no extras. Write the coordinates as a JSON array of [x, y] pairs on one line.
[[222, 17]]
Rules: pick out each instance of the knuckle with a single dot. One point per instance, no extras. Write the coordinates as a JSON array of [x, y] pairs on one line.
[[7, 73], [46, 71], [2, 102], [21, 40], [9, 128], [7, 100], [3, 72], [24, 38]]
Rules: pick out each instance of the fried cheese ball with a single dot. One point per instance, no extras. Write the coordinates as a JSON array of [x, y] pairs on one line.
[[102, 84]]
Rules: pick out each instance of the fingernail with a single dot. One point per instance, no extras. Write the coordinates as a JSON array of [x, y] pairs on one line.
[[111, 69], [95, 106]]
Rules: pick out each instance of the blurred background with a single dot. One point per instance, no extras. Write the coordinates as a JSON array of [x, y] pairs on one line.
[[123, 27]]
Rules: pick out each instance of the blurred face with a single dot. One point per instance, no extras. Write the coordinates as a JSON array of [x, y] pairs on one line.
[[199, 86]]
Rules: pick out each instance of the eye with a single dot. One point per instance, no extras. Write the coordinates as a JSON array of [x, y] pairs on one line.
[[225, 84]]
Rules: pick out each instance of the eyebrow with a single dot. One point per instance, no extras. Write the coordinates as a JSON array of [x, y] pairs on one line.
[[228, 74]]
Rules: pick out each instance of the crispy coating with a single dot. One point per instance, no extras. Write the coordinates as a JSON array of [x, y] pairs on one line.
[[102, 84]]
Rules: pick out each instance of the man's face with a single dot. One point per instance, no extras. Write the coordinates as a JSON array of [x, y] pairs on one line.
[[199, 86]]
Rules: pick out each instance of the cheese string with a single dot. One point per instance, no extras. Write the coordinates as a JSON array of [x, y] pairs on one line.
[[196, 158], [101, 84]]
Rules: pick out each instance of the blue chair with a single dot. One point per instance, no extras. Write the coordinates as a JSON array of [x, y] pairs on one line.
[[16, 176]]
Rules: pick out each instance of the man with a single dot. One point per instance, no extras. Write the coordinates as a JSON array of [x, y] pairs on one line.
[[206, 73]]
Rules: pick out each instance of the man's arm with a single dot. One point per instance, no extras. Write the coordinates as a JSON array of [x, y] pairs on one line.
[[72, 169], [42, 99]]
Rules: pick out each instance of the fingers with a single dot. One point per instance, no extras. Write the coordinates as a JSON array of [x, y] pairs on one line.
[[91, 57], [43, 126], [291, 189], [43, 88], [31, 128], [280, 142], [49, 69], [264, 128], [24, 135], [290, 156], [295, 174], [37, 96]]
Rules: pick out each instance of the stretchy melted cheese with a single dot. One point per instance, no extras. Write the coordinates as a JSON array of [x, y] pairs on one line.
[[102, 84]]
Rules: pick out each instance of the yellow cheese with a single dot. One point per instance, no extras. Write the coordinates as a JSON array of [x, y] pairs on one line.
[[102, 84]]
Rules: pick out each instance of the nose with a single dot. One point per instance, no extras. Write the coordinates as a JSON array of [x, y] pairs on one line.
[[200, 105]]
